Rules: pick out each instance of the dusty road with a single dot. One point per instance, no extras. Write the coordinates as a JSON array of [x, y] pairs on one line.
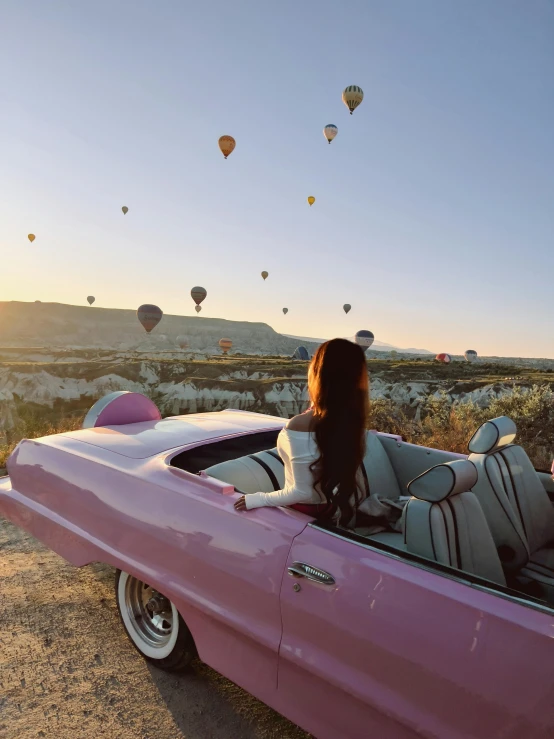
[[67, 670]]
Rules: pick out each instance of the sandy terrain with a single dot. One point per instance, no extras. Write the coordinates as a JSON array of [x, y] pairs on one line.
[[68, 670]]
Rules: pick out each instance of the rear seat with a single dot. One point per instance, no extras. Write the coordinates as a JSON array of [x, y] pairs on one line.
[[264, 472]]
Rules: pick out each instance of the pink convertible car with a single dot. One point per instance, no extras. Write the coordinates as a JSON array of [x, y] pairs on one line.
[[445, 630]]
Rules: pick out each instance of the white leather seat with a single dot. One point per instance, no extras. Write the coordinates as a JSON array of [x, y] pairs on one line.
[[445, 523], [263, 472], [515, 503]]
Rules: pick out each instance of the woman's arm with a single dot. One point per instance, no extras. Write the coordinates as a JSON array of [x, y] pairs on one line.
[[298, 490], [286, 496]]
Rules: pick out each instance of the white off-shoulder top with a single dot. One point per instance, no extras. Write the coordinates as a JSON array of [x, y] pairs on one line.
[[298, 450]]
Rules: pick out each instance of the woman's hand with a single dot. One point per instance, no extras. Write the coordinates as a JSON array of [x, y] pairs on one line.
[[240, 504]]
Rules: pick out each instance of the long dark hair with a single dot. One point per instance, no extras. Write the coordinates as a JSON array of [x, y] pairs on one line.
[[339, 391]]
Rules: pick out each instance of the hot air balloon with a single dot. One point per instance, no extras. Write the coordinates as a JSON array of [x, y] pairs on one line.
[[227, 144], [285, 311], [149, 316], [470, 355], [31, 237], [330, 131], [225, 345], [125, 210], [347, 307], [182, 342], [311, 200], [301, 353], [265, 274], [198, 308], [443, 357], [91, 299], [352, 96], [198, 294], [364, 339]]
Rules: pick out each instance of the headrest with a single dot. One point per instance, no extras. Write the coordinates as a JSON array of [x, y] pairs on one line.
[[444, 480], [493, 435]]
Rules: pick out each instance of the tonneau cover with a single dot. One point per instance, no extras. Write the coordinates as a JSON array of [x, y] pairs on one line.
[[146, 439]]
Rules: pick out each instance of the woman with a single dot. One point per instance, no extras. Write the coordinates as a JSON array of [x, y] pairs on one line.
[[323, 449]]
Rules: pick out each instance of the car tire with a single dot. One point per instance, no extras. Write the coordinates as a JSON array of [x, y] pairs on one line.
[[157, 631]]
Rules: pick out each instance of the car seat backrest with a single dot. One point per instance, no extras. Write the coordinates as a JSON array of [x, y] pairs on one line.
[[445, 523], [262, 472], [516, 505], [379, 470]]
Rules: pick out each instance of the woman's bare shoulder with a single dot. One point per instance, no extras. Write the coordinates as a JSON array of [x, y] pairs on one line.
[[301, 422]]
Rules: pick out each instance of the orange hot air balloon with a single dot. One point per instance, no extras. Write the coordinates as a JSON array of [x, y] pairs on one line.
[[31, 237], [198, 308], [311, 200], [198, 294], [227, 145], [149, 315], [225, 345]]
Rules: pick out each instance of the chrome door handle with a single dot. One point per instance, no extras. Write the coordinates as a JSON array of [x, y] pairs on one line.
[[301, 569]]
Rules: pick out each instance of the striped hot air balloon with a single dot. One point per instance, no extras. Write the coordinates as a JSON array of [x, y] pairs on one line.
[[352, 96], [364, 339], [225, 345], [149, 315], [444, 358]]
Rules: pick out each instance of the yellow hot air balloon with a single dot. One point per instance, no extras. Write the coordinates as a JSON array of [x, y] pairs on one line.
[[125, 210], [31, 237], [227, 144], [265, 274], [352, 96], [311, 200]]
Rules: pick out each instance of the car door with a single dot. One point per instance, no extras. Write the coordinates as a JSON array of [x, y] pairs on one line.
[[392, 648]]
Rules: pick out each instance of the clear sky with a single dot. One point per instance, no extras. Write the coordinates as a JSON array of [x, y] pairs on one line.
[[434, 215]]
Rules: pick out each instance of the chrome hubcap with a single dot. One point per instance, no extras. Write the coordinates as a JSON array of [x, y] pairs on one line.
[[150, 613]]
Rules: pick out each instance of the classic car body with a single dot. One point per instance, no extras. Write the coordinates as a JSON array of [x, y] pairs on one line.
[[393, 646]]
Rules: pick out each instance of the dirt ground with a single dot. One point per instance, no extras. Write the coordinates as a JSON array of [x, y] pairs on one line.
[[67, 670]]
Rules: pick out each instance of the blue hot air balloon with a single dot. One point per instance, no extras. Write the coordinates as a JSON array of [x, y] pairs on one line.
[[301, 353], [364, 339]]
